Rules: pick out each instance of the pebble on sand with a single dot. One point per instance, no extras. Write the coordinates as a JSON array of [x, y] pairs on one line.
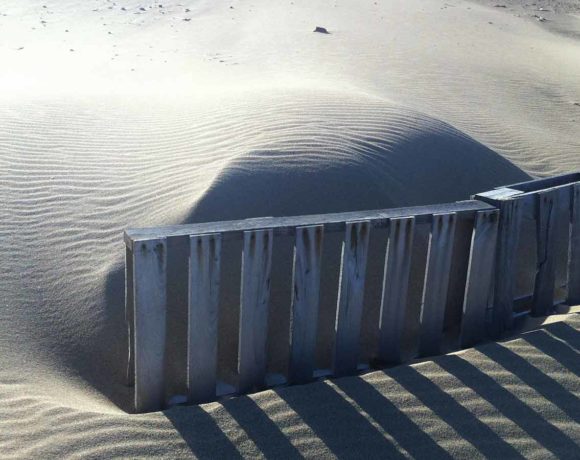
[[321, 30]]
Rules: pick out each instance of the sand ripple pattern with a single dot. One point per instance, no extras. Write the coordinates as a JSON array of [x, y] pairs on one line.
[[511, 400]]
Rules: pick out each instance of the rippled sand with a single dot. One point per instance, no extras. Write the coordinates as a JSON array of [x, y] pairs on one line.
[[167, 120]]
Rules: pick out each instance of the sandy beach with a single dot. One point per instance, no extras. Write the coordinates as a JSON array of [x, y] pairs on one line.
[[126, 114]]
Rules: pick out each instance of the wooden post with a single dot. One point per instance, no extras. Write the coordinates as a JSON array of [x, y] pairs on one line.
[[130, 314], [204, 285], [436, 283], [479, 286], [350, 297], [546, 210], [149, 268], [505, 272], [395, 287], [305, 302], [574, 263], [255, 297]]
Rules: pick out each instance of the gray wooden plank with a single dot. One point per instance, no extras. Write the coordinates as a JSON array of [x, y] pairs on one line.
[[546, 214], [436, 283], [548, 182], [395, 288], [505, 272], [305, 302], [204, 285], [574, 257], [479, 286], [129, 315], [333, 222], [350, 297], [255, 296], [149, 268]]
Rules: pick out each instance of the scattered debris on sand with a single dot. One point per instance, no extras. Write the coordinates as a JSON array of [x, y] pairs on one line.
[[321, 30]]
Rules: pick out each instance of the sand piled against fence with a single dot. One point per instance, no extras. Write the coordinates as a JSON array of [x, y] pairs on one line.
[[222, 112]]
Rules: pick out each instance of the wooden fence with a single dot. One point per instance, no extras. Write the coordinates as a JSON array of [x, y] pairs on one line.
[[469, 266]]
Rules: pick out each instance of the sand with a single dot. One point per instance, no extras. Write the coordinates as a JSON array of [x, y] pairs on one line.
[[168, 120]]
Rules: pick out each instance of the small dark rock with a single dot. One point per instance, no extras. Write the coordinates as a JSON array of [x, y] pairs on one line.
[[321, 30]]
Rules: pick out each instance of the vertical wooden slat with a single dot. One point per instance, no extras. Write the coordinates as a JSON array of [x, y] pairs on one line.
[[436, 283], [204, 284], [305, 302], [505, 271], [350, 297], [255, 296], [395, 288], [479, 286], [149, 269], [129, 315], [574, 264], [546, 214]]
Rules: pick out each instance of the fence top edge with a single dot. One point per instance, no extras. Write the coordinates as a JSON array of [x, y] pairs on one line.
[[282, 225], [536, 185]]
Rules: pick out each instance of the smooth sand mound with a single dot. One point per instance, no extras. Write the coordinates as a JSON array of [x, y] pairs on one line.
[[177, 116]]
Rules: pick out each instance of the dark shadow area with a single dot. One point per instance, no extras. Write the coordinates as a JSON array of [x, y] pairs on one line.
[[336, 173], [338, 424], [534, 378], [537, 427], [260, 428], [556, 349], [202, 435], [566, 333], [411, 438], [454, 414]]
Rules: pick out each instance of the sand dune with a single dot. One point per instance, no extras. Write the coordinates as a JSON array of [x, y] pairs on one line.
[[518, 398], [180, 116]]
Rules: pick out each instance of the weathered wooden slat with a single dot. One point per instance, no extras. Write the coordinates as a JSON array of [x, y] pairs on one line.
[[574, 263], [505, 271], [204, 285], [479, 286], [350, 297], [255, 297], [546, 214], [436, 283], [395, 288], [130, 315], [149, 269], [334, 222], [305, 302]]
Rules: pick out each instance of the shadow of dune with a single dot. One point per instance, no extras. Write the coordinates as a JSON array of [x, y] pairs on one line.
[[510, 406], [359, 172]]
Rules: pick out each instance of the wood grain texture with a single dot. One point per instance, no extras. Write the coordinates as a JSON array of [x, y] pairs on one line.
[[479, 286], [350, 297], [505, 272], [305, 302], [204, 286], [333, 222], [130, 315], [149, 268], [436, 283], [395, 288], [255, 296], [574, 258], [546, 213]]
